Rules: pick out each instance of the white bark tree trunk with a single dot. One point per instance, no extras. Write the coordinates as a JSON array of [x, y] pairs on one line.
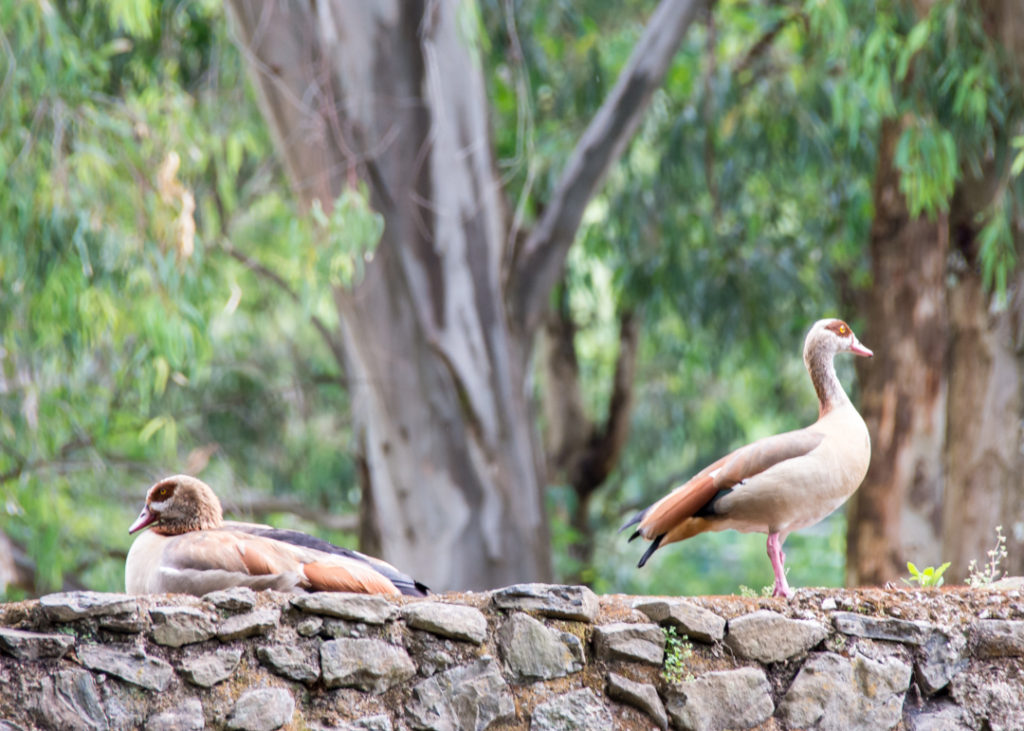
[[437, 336]]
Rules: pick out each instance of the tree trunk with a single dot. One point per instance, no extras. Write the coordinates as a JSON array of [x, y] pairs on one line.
[[944, 395], [437, 336], [895, 515]]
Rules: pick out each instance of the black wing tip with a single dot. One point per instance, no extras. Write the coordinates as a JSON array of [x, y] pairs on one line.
[[633, 521], [650, 550]]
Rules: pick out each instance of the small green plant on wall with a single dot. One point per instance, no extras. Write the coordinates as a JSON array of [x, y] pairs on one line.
[[930, 576], [678, 651]]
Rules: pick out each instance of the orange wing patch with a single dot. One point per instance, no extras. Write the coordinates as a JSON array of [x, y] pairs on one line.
[[334, 577]]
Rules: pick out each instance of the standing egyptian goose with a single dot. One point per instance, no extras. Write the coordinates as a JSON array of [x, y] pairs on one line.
[[190, 549], [781, 483]]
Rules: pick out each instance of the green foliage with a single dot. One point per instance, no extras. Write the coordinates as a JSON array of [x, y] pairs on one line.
[[132, 343], [139, 190], [351, 232], [678, 651], [981, 576], [930, 576]]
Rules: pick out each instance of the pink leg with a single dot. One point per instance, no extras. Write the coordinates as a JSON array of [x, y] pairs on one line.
[[778, 559]]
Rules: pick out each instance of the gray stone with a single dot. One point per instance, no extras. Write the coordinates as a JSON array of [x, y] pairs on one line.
[[630, 642], [895, 630], [335, 628], [210, 668], [69, 699], [67, 606], [291, 661], [941, 658], [991, 695], [579, 710], [639, 695], [834, 692], [997, 638], [367, 608], [370, 665], [368, 723], [456, 621], [235, 599], [695, 622], [727, 699], [941, 715], [770, 637], [533, 652], [552, 600], [135, 666], [121, 705], [257, 622], [473, 696], [309, 626], [186, 716], [263, 709], [177, 626], [127, 624], [26, 645]]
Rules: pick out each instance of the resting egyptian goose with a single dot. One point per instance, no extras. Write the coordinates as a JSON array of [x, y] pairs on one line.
[[190, 549], [781, 483]]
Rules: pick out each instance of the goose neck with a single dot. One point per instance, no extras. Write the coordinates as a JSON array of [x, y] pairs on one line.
[[821, 367]]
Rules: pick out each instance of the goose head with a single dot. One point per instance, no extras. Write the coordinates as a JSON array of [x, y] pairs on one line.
[[830, 336], [179, 504]]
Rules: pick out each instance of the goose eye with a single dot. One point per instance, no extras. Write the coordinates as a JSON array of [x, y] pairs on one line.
[[843, 330]]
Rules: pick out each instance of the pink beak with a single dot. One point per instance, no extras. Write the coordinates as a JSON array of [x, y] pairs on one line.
[[857, 349], [144, 519]]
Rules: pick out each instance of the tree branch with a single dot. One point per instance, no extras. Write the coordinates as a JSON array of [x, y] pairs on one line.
[[539, 265]]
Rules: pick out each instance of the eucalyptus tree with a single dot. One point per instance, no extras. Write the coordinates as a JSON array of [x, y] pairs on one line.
[[438, 332]]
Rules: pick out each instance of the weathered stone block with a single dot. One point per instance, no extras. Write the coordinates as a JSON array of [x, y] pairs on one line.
[[294, 662], [69, 699], [235, 599], [68, 606], [998, 638], [883, 628], [639, 695], [186, 717], [250, 624], [370, 665], [727, 699], [470, 696], [210, 668], [695, 622], [456, 621], [177, 626], [552, 600], [353, 607], [834, 692], [770, 637], [263, 709], [630, 642], [26, 645], [134, 667], [579, 710], [532, 651]]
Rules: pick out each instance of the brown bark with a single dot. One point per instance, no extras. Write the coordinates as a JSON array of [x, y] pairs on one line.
[[436, 338], [944, 395], [896, 514]]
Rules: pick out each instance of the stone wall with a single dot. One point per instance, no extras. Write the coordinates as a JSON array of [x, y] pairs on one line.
[[529, 656]]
